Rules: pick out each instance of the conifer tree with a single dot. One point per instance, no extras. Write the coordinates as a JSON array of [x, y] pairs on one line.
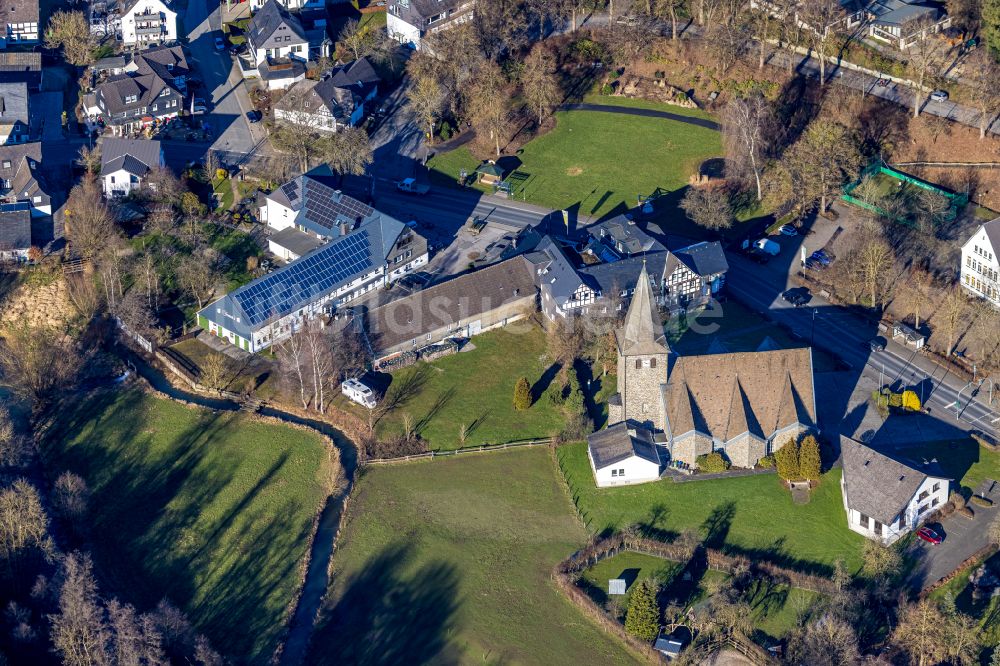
[[522, 394], [642, 619], [810, 461]]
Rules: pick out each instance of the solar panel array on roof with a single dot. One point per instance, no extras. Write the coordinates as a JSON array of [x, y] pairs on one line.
[[14, 207], [327, 208], [291, 191], [281, 292]]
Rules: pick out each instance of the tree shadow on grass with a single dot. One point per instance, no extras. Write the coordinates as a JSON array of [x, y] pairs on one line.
[[382, 617], [439, 404], [539, 388]]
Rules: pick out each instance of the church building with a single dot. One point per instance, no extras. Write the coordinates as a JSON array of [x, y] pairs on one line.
[[744, 404]]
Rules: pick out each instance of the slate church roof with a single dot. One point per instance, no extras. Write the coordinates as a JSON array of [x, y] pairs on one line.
[[642, 332]]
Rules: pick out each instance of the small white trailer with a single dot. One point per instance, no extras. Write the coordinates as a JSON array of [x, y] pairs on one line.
[[356, 391]]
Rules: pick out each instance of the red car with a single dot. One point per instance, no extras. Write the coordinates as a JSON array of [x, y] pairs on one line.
[[929, 535]]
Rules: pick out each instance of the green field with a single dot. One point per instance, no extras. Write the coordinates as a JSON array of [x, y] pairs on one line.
[[753, 516], [594, 163], [775, 607], [450, 562], [476, 388], [210, 510]]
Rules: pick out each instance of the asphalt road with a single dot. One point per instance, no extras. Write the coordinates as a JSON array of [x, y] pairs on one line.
[[835, 329], [894, 92], [223, 83], [845, 335]]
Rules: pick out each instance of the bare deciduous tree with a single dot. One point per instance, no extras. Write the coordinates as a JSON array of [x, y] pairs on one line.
[[873, 260], [70, 496], [198, 275], [983, 73], [541, 90], [89, 223], [708, 207], [37, 360], [488, 105], [70, 31], [746, 127], [822, 160], [820, 15], [953, 312], [347, 151], [426, 98], [79, 630]]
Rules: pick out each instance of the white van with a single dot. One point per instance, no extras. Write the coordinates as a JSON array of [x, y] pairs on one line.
[[356, 391]]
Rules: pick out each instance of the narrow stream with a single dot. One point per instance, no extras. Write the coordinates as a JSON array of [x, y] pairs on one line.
[[316, 579]]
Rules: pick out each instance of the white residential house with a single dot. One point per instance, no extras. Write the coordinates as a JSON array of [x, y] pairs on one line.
[[981, 262], [125, 163], [885, 498], [336, 101], [145, 22], [408, 21], [277, 47], [296, 4], [623, 454]]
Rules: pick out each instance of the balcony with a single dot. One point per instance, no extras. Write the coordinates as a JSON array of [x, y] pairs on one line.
[[144, 30]]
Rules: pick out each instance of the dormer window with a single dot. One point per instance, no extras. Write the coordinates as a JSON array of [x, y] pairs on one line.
[[131, 99], [164, 92]]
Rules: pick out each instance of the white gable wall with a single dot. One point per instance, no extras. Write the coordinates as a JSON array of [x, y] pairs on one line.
[[629, 471], [981, 267], [148, 12], [120, 182], [923, 503]]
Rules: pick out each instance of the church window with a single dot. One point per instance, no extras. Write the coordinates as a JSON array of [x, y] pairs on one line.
[[638, 363], [652, 362]]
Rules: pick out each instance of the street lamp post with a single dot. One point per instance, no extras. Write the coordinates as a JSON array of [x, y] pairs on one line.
[[812, 333]]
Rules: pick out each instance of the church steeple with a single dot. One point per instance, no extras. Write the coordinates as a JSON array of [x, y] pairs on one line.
[[643, 331]]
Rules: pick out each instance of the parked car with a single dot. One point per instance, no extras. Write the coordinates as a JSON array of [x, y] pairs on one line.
[[822, 257], [788, 230], [814, 264], [220, 44], [768, 246], [930, 536], [939, 96], [254, 116], [877, 343], [797, 296]]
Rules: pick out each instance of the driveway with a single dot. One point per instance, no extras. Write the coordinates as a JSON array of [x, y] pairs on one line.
[[223, 85], [963, 538]]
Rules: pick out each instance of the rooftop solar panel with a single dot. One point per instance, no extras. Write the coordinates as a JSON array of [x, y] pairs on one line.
[[291, 191], [305, 279]]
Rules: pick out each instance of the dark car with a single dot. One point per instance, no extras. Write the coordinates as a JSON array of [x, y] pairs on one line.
[[930, 536], [822, 257], [756, 256], [254, 116], [877, 343], [797, 296]]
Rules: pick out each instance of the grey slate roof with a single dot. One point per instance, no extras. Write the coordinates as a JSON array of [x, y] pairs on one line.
[[416, 12], [622, 274], [642, 332], [22, 166], [622, 231], [271, 24], [619, 442], [992, 229], [15, 226], [296, 241], [167, 62], [137, 156], [21, 67], [899, 12], [703, 259], [876, 485], [14, 103]]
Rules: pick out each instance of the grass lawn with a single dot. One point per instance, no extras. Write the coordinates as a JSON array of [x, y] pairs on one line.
[[210, 510], [449, 562], [476, 388], [255, 368], [225, 193], [775, 607], [583, 164], [752, 515]]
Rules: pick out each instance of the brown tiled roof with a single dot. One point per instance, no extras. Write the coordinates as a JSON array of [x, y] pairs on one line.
[[449, 303], [724, 395], [19, 11], [643, 331]]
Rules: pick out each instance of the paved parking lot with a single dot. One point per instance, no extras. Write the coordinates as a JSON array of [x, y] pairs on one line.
[[963, 537]]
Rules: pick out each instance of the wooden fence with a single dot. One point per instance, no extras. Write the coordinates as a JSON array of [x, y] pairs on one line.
[[431, 455]]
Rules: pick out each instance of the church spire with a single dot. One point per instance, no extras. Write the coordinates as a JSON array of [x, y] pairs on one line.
[[643, 331]]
